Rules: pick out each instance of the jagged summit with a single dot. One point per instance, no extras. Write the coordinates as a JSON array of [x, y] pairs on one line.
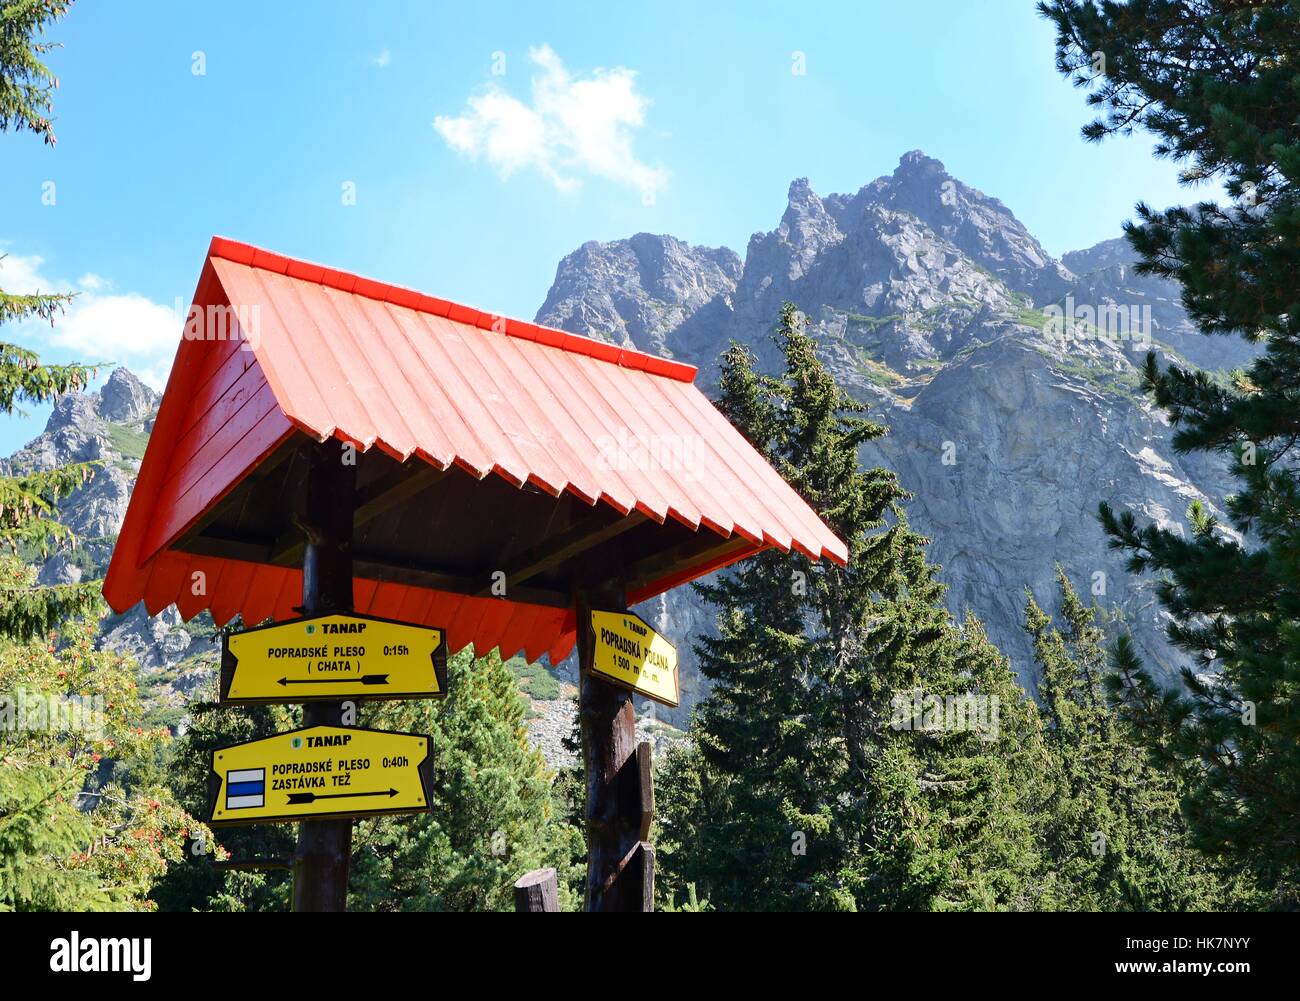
[[926, 296], [125, 398], [918, 161], [111, 427], [634, 291]]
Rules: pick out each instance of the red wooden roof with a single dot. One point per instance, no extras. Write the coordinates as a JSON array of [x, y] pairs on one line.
[[335, 354]]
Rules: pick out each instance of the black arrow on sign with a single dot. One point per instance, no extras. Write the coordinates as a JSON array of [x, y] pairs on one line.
[[311, 797], [365, 679]]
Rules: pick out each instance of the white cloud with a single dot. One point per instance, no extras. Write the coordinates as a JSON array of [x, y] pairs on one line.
[[383, 59], [22, 275], [92, 282], [117, 327], [574, 126], [98, 325]]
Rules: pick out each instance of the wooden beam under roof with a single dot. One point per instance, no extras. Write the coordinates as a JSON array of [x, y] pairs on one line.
[[573, 541], [373, 500]]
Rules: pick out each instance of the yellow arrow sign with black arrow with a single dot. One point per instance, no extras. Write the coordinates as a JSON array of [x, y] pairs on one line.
[[333, 657], [320, 771]]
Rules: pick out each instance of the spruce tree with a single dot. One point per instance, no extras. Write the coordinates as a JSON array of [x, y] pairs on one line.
[[1216, 82], [816, 778], [495, 811], [26, 83], [28, 518], [1113, 837], [85, 823]]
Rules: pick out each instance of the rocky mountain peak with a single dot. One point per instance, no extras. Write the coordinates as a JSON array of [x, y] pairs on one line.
[[980, 225], [124, 398], [806, 230], [926, 298], [635, 291], [109, 427], [918, 163], [1108, 253]]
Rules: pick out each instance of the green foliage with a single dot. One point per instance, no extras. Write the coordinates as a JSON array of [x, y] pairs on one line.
[[1101, 374], [23, 379], [1113, 836], [802, 787], [26, 83], [1216, 82], [535, 680], [28, 610], [691, 904], [877, 372], [494, 812], [128, 441], [27, 502], [872, 323], [86, 822]]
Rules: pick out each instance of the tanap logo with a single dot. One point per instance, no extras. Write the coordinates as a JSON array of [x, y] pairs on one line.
[[296, 743]]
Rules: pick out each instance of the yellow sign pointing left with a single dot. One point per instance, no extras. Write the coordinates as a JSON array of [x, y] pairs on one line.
[[333, 657], [320, 771]]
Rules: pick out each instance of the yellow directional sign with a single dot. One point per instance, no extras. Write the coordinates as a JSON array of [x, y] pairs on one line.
[[631, 654], [320, 771], [333, 657]]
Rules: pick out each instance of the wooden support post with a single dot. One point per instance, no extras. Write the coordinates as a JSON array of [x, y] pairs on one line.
[[324, 852], [537, 892], [639, 878], [614, 814]]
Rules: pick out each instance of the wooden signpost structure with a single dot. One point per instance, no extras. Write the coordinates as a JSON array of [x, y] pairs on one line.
[[336, 450]]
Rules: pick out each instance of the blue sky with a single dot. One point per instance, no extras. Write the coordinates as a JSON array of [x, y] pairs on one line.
[[484, 141]]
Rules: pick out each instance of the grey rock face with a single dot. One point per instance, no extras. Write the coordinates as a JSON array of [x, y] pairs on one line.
[[982, 227], [1107, 278], [926, 297], [634, 292], [155, 642], [110, 427], [1008, 451], [124, 399]]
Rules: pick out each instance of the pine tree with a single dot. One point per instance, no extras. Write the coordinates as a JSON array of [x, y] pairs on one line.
[[495, 813], [26, 83], [28, 522], [85, 823], [202, 882], [1216, 82], [811, 782], [1113, 836]]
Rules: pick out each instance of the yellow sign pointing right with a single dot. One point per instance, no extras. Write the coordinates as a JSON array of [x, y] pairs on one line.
[[320, 771]]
